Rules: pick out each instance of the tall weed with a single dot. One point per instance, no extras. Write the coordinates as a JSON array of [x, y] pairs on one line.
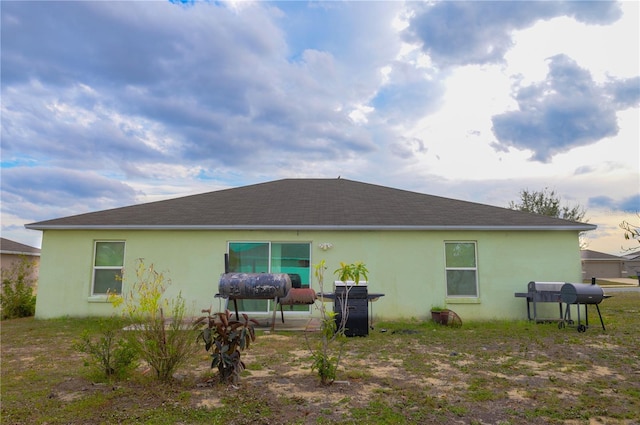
[[158, 331], [112, 356], [327, 350]]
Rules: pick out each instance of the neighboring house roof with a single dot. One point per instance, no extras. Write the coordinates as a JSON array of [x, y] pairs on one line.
[[587, 254], [632, 256], [8, 246], [311, 204]]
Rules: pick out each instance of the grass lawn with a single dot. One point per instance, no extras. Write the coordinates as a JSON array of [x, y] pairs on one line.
[[494, 372]]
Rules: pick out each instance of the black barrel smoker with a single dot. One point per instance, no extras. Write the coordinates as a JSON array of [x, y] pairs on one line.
[[585, 294], [254, 286]]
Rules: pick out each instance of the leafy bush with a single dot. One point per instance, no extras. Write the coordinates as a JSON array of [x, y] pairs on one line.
[[111, 354], [226, 338], [16, 298], [159, 331]]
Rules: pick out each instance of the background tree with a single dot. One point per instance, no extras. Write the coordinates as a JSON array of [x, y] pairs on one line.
[[631, 231], [548, 202]]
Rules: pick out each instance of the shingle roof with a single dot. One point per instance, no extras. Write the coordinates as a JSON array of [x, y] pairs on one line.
[[7, 246], [311, 204], [632, 256], [587, 254]]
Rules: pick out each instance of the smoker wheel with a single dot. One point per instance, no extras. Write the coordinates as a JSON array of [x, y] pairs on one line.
[[582, 328]]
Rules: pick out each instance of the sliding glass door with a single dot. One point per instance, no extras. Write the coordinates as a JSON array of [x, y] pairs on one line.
[[250, 257], [270, 257]]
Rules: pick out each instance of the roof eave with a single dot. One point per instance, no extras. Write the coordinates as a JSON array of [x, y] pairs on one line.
[[580, 228], [8, 252], [604, 259]]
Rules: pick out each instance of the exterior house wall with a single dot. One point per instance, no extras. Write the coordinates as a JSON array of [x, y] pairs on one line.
[[8, 261], [407, 266]]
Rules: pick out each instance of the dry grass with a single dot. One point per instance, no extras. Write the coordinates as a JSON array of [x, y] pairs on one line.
[[482, 373]]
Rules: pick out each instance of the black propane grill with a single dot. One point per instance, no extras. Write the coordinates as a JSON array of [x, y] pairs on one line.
[[358, 320], [585, 294], [542, 292], [355, 307]]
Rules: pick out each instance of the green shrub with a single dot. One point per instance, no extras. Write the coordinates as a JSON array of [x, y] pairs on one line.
[[16, 298], [112, 356]]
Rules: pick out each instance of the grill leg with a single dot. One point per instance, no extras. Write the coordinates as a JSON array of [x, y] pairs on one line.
[[567, 314], [581, 327], [235, 304], [275, 310], [561, 316], [370, 315], [600, 315], [281, 312], [586, 315]]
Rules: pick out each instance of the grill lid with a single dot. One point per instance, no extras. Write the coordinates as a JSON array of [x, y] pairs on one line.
[[544, 286]]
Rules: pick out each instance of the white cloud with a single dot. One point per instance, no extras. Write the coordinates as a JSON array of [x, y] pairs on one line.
[[605, 50], [158, 100]]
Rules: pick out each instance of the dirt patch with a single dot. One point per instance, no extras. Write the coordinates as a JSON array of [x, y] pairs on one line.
[[496, 373], [517, 394], [204, 399]]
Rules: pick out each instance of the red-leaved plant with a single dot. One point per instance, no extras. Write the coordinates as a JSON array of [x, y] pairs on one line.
[[226, 338]]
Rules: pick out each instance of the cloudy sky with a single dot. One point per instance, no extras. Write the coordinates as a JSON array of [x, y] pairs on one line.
[[106, 104]]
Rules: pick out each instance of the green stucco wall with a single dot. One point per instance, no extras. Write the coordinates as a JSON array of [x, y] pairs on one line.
[[407, 266]]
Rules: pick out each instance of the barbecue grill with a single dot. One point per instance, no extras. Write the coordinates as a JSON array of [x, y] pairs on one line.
[[254, 286], [359, 319], [542, 292], [282, 288], [585, 294]]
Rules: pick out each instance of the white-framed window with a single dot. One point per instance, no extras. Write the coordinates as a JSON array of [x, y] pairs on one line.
[[461, 268], [108, 261]]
